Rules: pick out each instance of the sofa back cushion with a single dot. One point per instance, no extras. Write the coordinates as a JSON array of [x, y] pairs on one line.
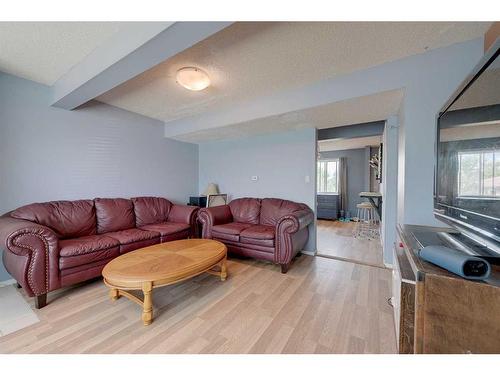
[[150, 210], [272, 209], [114, 214], [68, 219], [245, 210]]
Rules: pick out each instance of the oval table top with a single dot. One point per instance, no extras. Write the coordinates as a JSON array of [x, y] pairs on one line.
[[163, 264]]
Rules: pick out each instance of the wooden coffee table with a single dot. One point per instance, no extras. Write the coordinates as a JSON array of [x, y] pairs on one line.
[[162, 264]]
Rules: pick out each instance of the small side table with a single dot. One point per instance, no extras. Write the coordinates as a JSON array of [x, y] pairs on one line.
[[200, 201], [371, 195]]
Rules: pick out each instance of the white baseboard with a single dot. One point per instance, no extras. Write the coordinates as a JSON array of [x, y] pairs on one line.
[[312, 253], [7, 282]]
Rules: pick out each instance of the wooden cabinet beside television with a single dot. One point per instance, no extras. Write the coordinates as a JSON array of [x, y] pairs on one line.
[[439, 312]]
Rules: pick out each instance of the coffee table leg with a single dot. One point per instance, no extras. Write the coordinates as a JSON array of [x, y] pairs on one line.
[[147, 312], [114, 294], [223, 269]]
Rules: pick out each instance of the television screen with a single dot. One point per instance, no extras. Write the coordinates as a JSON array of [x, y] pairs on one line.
[[468, 156]]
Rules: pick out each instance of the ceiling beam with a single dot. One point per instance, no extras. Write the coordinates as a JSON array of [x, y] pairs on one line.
[[131, 51], [349, 144], [368, 129], [458, 117]]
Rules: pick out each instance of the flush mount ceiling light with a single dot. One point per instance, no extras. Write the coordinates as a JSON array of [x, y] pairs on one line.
[[193, 79]]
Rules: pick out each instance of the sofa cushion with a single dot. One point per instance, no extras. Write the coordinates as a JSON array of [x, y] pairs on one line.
[[170, 231], [67, 263], [133, 239], [231, 228], [259, 235], [132, 235], [248, 249], [82, 269], [150, 210], [114, 214], [272, 209], [139, 245], [223, 237], [86, 245], [245, 210], [229, 231], [166, 229], [68, 219]]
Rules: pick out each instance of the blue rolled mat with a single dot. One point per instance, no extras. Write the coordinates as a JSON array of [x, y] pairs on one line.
[[461, 264]]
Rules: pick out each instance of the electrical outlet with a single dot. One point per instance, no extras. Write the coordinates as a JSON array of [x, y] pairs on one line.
[[307, 179]]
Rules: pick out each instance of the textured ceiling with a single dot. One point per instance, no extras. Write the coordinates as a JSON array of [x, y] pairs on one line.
[[484, 91], [348, 144], [247, 60], [354, 111], [44, 51]]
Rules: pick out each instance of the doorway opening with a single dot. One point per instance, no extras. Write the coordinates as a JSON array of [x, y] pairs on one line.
[[349, 199]]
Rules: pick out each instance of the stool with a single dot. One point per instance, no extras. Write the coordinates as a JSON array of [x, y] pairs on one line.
[[367, 225]]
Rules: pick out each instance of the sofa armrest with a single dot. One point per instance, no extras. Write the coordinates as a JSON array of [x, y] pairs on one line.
[[211, 216], [31, 254], [296, 221], [184, 214], [292, 234]]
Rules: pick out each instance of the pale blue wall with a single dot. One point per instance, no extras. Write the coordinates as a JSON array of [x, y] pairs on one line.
[[357, 174], [282, 162], [97, 151]]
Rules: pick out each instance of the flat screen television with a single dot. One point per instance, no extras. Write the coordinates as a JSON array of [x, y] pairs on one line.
[[467, 178]]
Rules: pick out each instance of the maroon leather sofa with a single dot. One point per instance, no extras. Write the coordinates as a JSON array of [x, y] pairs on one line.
[[270, 229], [55, 244]]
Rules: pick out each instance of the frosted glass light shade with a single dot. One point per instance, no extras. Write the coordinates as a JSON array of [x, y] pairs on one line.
[[193, 79], [211, 189]]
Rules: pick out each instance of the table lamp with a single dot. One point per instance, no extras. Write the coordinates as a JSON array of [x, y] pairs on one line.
[[211, 189]]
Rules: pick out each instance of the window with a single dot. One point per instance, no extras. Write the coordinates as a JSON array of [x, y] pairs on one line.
[[327, 176], [479, 173]]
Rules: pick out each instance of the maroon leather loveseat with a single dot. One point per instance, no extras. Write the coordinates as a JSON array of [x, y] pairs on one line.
[[55, 244], [270, 229]]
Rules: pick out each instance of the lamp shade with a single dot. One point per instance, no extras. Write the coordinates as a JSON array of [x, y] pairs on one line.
[[211, 189]]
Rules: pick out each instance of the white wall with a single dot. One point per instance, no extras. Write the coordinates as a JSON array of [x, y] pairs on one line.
[[434, 78], [281, 162], [96, 151], [389, 187]]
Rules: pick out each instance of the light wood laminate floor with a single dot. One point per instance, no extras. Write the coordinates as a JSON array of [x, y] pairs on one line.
[[336, 239], [320, 306]]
